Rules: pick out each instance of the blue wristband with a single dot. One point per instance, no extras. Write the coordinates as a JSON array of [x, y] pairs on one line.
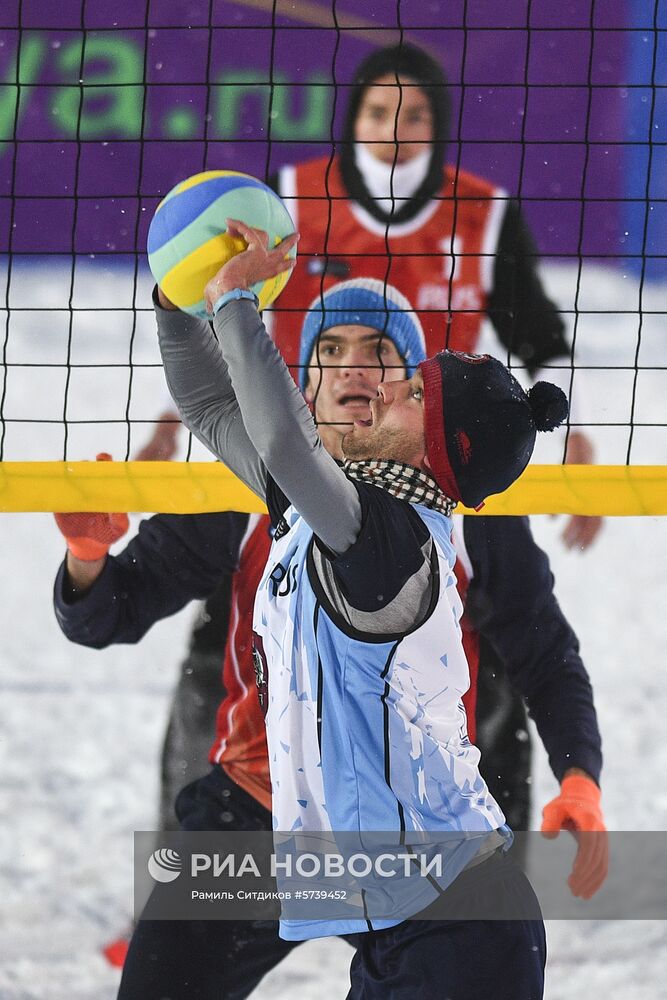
[[236, 293]]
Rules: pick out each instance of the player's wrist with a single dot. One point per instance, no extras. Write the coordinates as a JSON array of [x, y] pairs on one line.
[[580, 786], [82, 573], [235, 294], [573, 772]]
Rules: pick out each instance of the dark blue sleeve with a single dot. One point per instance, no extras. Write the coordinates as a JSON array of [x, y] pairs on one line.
[[511, 602], [172, 560], [527, 322], [389, 550]]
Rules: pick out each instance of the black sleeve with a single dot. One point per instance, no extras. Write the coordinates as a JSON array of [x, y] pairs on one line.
[[383, 584], [512, 604], [527, 322], [172, 560], [276, 501], [209, 632]]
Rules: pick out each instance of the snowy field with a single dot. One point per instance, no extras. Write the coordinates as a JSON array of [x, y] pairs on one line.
[[80, 730]]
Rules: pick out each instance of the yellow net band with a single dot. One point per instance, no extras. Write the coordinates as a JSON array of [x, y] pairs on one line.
[[199, 487]]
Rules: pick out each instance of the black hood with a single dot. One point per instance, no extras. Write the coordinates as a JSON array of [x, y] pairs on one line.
[[404, 60]]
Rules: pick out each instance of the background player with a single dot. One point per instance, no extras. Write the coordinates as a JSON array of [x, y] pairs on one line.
[[543, 659], [388, 205]]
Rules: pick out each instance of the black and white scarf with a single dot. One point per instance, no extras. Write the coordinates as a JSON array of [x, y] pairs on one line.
[[403, 482]]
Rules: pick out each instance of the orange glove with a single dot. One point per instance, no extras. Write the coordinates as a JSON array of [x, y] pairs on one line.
[[577, 809], [90, 536]]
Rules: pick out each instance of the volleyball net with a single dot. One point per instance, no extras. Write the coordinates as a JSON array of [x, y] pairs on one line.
[[105, 107]]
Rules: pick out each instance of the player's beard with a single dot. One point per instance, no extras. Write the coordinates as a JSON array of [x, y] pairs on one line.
[[379, 443]]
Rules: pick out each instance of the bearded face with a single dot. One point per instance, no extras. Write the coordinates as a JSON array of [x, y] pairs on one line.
[[395, 429]]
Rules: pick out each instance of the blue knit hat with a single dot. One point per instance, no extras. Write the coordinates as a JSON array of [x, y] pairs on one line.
[[364, 302]]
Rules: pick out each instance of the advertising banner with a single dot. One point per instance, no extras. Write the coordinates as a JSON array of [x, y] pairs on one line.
[[105, 106]]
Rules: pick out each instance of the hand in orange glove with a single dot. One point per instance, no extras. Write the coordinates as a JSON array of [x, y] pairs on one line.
[[577, 809], [90, 536]]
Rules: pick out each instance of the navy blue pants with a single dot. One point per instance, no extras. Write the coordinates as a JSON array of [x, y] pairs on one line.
[[422, 958], [205, 959], [459, 959], [450, 960]]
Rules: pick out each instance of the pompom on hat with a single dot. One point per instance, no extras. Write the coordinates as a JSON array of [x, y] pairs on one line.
[[480, 425], [363, 302]]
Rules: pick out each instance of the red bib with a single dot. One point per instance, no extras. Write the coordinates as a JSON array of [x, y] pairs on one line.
[[442, 260]]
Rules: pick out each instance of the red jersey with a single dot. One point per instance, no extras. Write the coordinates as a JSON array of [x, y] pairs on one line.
[[442, 260], [240, 743]]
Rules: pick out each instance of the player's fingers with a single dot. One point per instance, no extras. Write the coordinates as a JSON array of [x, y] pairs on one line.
[[233, 229], [581, 531], [586, 883], [553, 816], [599, 874], [284, 265], [570, 532], [253, 237], [286, 245], [589, 531], [591, 863], [272, 267], [583, 860], [595, 872], [574, 532]]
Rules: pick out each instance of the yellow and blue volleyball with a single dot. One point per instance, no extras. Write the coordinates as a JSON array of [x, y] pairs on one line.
[[188, 240]]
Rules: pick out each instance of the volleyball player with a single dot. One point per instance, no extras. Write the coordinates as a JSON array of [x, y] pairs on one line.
[[143, 585], [361, 668]]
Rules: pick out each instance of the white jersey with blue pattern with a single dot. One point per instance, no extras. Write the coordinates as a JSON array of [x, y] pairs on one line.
[[367, 732]]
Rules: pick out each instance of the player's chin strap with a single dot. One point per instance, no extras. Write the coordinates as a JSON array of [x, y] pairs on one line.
[[403, 481]]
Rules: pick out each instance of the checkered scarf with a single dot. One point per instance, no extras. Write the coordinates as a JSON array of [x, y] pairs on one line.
[[403, 482]]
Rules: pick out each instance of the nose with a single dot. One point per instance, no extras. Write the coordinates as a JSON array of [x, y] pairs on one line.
[[389, 131], [354, 363], [389, 391]]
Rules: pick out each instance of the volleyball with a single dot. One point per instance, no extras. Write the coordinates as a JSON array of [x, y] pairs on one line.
[[188, 240]]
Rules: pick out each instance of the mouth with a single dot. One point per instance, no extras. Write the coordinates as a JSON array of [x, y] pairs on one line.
[[355, 400], [358, 422], [356, 404]]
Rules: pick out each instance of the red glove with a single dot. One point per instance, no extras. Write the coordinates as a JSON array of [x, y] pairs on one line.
[[577, 809], [90, 536]]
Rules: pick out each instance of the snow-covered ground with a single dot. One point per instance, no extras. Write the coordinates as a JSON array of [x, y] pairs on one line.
[[80, 730]]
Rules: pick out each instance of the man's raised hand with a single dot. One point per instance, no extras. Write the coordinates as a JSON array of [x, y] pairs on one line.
[[90, 536], [256, 263]]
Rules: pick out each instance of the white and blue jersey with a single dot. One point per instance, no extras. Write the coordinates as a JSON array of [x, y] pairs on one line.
[[365, 723]]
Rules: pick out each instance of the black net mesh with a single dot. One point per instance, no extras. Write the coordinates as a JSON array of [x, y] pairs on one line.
[[554, 150]]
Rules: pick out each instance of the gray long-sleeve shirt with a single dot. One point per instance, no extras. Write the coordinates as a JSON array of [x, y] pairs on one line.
[[235, 394]]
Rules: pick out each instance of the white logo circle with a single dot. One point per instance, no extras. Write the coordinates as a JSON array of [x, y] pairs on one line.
[[164, 865]]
